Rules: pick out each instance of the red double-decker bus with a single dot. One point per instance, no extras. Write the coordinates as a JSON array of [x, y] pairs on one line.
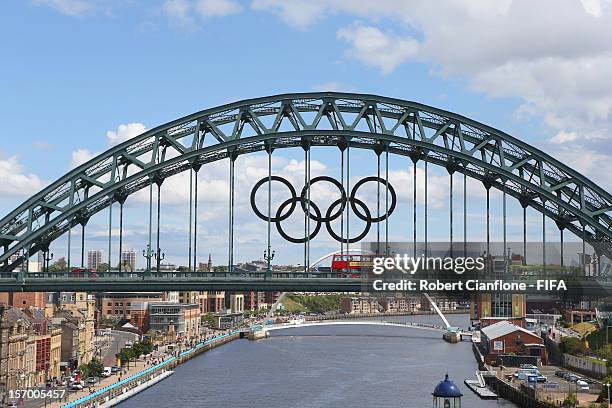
[[84, 273], [352, 265]]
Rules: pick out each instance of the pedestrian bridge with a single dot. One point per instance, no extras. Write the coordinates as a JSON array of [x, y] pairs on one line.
[[412, 325]]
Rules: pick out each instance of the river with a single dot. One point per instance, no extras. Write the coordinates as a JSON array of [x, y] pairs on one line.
[[341, 366]]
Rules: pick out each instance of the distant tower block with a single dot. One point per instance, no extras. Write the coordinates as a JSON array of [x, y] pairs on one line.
[[209, 267]]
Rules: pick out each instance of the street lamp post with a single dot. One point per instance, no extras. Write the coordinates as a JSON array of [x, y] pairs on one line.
[[158, 257], [268, 257], [147, 254], [608, 385], [47, 258]]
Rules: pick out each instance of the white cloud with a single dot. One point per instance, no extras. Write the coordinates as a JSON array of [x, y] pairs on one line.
[[217, 8], [125, 132], [113, 137], [558, 66], [333, 87], [375, 48], [182, 12], [296, 13], [69, 7], [81, 156], [15, 182], [592, 163], [594, 7], [564, 137], [177, 12]]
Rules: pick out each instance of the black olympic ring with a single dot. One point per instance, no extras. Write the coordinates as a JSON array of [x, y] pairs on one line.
[[259, 184], [328, 217], [367, 217], [293, 201], [359, 237], [359, 207]]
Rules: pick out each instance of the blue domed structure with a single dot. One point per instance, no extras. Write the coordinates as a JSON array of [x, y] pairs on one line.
[[447, 394]]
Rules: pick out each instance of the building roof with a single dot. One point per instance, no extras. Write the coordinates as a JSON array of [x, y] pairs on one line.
[[14, 315], [503, 328]]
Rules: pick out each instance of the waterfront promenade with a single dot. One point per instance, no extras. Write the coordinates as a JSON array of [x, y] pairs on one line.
[[138, 374]]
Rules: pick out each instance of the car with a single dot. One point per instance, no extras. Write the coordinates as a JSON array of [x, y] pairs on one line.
[[92, 380], [114, 369], [560, 373], [77, 386], [572, 378], [542, 378], [582, 386], [108, 371]]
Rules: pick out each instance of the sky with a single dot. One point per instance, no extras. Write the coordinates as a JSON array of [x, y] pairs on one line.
[[79, 76]]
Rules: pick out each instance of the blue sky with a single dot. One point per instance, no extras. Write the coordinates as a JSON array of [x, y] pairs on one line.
[[78, 75]]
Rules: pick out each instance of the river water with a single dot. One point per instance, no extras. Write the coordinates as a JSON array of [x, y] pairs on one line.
[[329, 366]]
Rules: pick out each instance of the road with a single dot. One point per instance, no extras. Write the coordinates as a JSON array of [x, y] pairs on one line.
[[108, 348], [117, 342]]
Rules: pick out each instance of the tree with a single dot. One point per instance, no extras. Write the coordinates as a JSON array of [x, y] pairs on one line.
[[59, 266], [84, 369], [208, 319], [103, 267], [570, 345], [95, 367], [570, 401], [603, 395]]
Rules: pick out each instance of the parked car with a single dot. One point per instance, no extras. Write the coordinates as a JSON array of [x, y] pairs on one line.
[[77, 386], [522, 373], [542, 378], [108, 371], [91, 380], [114, 369], [582, 386], [572, 378], [560, 373]]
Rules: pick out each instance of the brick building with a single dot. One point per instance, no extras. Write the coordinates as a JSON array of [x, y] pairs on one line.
[[355, 305], [504, 338], [119, 304], [23, 299]]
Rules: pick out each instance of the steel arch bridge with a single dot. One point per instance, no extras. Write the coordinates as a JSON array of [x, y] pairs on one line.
[[304, 120]]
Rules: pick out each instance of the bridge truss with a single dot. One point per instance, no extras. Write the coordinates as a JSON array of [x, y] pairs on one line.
[[348, 121]]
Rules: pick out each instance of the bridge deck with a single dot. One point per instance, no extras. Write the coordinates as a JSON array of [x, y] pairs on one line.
[[212, 281]]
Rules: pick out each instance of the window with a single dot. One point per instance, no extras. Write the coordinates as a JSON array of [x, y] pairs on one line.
[[501, 305]]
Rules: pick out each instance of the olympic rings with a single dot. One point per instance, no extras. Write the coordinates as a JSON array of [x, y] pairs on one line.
[[360, 209]]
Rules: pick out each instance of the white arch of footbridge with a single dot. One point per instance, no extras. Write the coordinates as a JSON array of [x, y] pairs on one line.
[[431, 301], [354, 323]]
